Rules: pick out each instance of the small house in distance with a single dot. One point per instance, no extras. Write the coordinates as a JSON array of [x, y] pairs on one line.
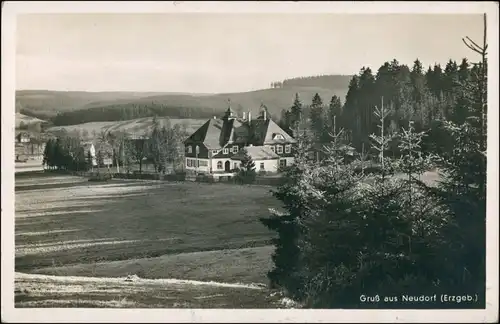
[[216, 146], [100, 153], [29, 146], [89, 149], [23, 137]]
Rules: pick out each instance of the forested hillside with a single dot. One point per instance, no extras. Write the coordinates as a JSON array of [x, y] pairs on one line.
[[410, 93], [45, 104], [70, 108], [332, 82], [425, 96]]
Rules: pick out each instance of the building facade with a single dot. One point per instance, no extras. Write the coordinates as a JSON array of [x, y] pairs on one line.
[[216, 147], [28, 147]]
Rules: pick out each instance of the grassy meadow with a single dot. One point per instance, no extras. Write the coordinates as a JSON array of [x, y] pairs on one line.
[[67, 226], [89, 292], [184, 244], [139, 126]]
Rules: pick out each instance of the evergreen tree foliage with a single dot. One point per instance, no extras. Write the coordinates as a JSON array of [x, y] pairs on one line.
[[344, 234], [246, 172], [317, 117], [334, 113], [424, 97], [295, 112], [90, 161]]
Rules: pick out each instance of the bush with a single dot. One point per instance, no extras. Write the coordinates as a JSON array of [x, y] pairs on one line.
[[246, 174], [100, 177]]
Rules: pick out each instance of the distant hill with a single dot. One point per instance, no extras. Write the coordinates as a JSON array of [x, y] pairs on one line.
[[45, 104], [332, 82], [81, 107]]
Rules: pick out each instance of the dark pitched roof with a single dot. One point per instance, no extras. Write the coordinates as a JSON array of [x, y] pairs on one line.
[[211, 134], [256, 153], [216, 133], [272, 130]]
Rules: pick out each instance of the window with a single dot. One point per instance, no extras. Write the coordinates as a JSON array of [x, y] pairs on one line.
[[280, 149], [283, 163], [262, 165], [226, 151], [235, 164], [288, 148], [215, 152], [273, 149], [235, 149], [219, 165], [203, 163], [188, 162], [190, 149]]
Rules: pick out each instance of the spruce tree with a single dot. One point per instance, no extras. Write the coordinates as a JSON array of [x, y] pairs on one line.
[[90, 161], [286, 273], [381, 142], [317, 116], [246, 173], [295, 112], [48, 154]]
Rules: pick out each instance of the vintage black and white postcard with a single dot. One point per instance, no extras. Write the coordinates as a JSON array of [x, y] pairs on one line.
[[249, 161]]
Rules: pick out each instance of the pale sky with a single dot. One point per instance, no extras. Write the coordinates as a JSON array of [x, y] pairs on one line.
[[210, 52]]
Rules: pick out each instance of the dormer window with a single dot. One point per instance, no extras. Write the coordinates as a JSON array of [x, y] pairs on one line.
[[288, 148], [226, 151], [278, 137], [279, 149], [235, 149], [273, 149]]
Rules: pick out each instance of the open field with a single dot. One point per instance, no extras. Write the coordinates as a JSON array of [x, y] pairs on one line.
[[30, 165], [122, 220], [77, 241], [26, 120], [138, 127], [67, 226], [54, 291]]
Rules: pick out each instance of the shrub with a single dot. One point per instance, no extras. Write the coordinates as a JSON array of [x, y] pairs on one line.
[[246, 173]]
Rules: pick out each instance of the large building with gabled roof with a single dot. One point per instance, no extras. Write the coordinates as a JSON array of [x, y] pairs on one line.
[[216, 147]]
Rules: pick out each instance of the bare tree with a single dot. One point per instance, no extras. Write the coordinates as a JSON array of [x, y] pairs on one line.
[[481, 50], [482, 99]]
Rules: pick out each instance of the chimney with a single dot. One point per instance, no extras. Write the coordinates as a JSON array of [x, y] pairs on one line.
[[215, 117], [244, 115], [249, 116], [264, 114]]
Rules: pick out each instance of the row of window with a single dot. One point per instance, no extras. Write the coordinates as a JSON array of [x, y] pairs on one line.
[[279, 149], [196, 163], [234, 149], [220, 165]]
